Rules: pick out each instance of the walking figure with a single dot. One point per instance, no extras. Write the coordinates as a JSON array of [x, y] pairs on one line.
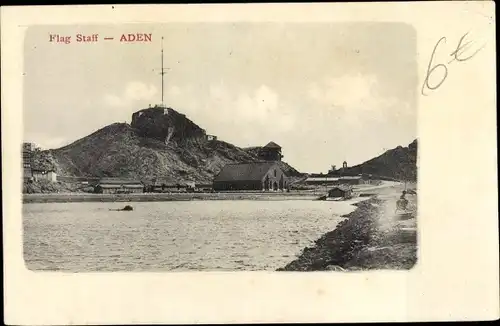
[[402, 202]]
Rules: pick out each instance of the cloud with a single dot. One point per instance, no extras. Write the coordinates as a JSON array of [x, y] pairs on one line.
[[261, 106], [134, 91], [354, 98], [258, 116], [173, 91], [249, 116], [259, 113]]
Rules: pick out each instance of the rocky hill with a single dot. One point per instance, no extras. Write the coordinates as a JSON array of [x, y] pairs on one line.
[[159, 143], [398, 163]]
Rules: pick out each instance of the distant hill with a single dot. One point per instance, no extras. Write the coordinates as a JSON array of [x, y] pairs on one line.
[[159, 143], [398, 163]]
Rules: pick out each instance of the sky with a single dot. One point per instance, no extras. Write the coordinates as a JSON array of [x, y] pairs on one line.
[[325, 92]]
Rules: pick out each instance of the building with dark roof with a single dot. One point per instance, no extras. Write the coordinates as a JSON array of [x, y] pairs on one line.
[[118, 185], [322, 180], [167, 184], [342, 191], [263, 176], [271, 152]]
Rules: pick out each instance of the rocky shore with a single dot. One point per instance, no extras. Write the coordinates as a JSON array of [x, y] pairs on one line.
[[371, 237]]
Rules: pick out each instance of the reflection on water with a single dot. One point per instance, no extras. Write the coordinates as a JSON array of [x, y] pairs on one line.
[[160, 236]]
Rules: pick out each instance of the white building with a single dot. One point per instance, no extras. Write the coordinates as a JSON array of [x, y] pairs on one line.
[[322, 180], [211, 137], [46, 175]]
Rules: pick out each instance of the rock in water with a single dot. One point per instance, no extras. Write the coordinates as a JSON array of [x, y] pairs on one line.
[[335, 268]]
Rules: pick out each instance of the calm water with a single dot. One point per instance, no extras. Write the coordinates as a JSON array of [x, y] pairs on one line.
[[156, 236]]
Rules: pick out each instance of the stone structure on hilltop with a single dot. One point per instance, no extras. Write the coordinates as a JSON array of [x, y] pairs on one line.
[[166, 124]]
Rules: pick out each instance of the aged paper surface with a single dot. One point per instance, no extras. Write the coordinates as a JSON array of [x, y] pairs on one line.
[[456, 275]]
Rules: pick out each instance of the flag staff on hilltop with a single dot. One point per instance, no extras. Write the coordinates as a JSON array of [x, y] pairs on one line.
[[163, 71]]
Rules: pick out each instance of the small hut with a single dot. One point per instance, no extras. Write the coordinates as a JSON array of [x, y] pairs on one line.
[[340, 192]]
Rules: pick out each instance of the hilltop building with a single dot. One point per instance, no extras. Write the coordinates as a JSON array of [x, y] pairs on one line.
[[211, 137], [344, 167], [271, 152], [264, 176]]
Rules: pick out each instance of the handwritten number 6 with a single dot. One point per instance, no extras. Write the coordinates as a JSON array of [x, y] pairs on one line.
[[431, 70]]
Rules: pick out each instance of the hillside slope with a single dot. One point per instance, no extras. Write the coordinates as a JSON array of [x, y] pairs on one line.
[[398, 163], [158, 143]]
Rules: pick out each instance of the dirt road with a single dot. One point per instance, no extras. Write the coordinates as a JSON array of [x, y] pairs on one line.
[[393, 240], [374, 236]]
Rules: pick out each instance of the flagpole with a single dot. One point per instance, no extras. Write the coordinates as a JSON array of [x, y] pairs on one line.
[[162, 71]]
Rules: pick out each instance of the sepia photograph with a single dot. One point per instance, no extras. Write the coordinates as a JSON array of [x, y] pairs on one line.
[[220, 146], [249, 163]]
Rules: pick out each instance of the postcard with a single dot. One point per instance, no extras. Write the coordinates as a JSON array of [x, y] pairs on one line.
[[249, 163]]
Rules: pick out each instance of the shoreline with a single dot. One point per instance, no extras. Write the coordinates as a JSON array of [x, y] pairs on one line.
[[74, 197], [156, 197], [373, 236], [365, 240]]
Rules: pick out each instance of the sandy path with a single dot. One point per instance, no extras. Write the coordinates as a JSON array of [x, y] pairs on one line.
[[393, 240], [388, 217], [374, 236]]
